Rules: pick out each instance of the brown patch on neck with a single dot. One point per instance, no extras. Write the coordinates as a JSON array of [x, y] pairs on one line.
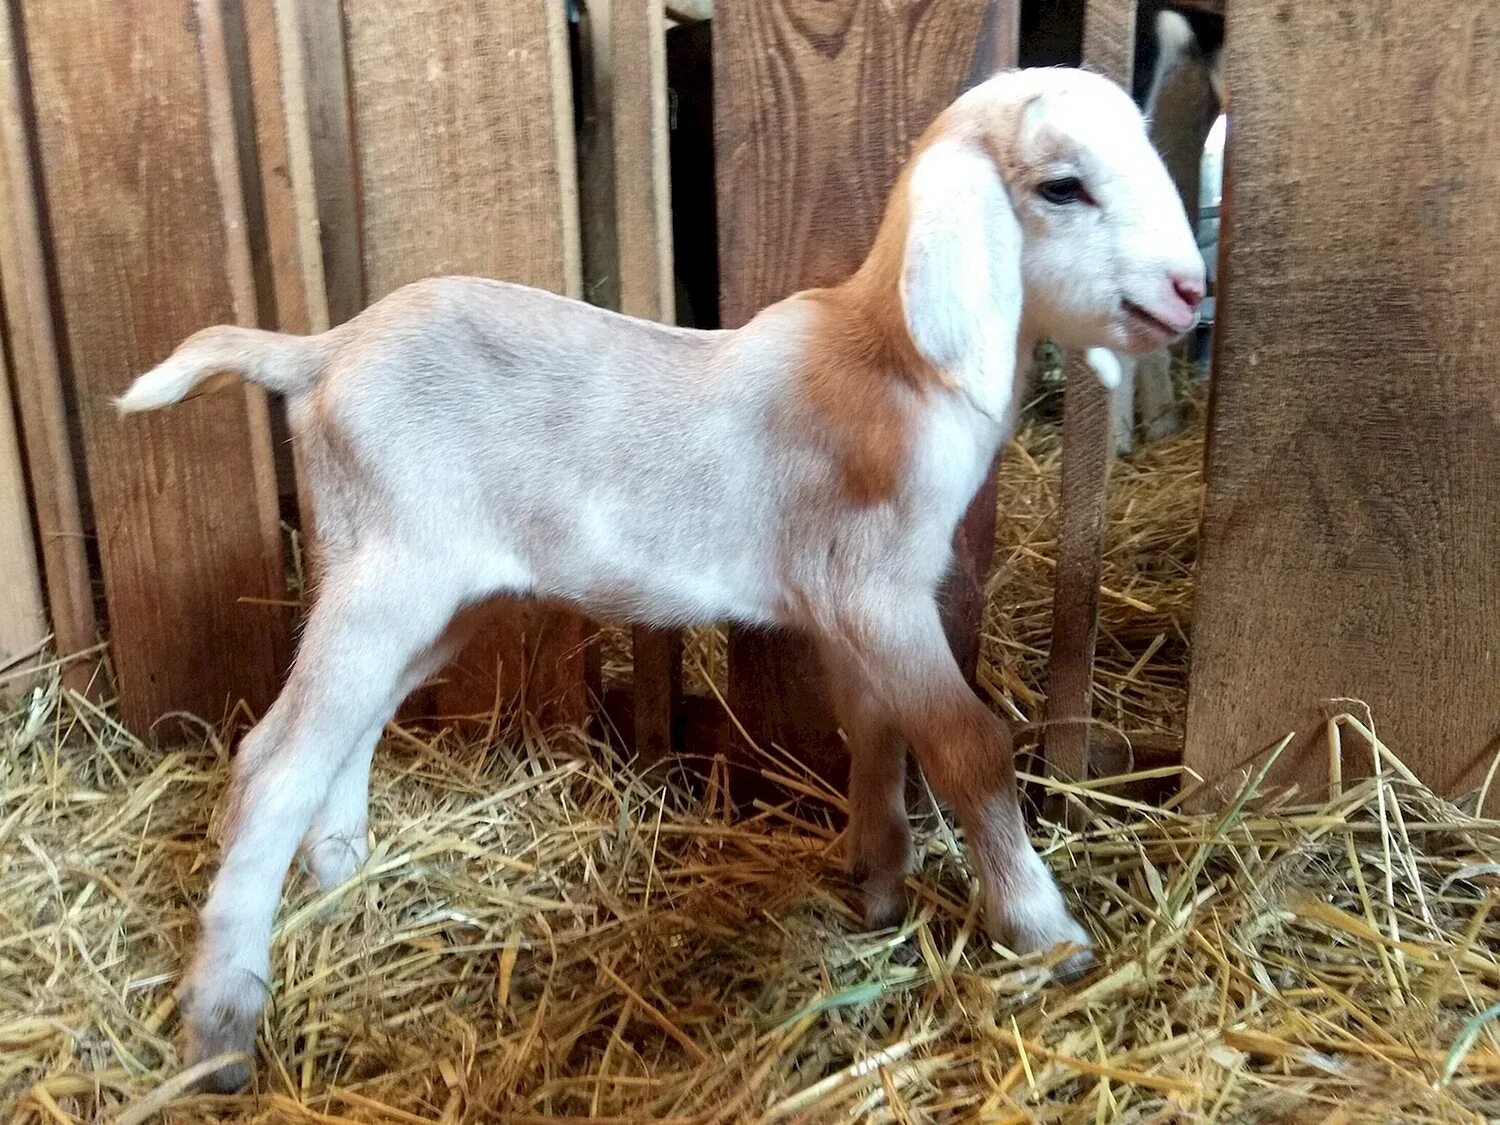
[[861, 368]]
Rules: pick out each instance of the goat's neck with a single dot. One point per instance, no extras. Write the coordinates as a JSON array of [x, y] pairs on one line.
[[992, 372]]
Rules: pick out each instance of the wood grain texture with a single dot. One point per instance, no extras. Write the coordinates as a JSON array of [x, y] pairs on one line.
[[643, 183], [292, 296], [461, 164], [273, 119], [147, 230], [1348, 546], [23, 617], [315, 75], [632, 60], [816, 107], [657, 671], [1082, 504], [461, 119], [1109, 48], [37, 376]]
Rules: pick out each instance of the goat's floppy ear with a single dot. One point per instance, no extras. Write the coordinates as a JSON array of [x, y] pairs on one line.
[[961, 275]]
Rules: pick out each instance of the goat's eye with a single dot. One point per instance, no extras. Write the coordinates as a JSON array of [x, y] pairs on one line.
[[1063, 190]]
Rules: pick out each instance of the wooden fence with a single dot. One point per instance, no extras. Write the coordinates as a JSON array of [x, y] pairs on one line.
[[169, 165]]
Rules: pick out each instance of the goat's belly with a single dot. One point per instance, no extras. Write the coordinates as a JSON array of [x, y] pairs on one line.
[[678, 599], [671, 593]]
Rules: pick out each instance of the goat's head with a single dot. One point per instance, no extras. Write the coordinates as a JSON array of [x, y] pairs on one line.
[[1037, 198]]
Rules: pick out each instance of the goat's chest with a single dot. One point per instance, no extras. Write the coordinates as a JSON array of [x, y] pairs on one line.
[[952, 449]]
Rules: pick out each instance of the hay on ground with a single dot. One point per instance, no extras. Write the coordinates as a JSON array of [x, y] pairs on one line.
[[540, 935]]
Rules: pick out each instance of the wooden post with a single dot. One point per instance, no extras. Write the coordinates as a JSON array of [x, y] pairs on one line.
[[146, 229], [1348, 546], [808, 149], [627, 228], [643, 230], [1109, 48], [37, 375], [23, 620]]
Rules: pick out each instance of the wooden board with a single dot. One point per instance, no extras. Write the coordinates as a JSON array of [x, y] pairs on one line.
[[629, 63], [461, 119], [37, 377], [137, 153], [1109, 48], [23, 618], [816, 107], [1348, 546], [273, 122]]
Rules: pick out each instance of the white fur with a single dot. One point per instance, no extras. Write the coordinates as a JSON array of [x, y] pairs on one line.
[[466, 438], [961, 288], [1182, 105]]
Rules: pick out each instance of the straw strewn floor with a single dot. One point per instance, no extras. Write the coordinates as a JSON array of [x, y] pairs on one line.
[[539, 935]]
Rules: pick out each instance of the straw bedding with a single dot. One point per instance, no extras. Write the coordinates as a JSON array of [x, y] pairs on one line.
[[541, 935]]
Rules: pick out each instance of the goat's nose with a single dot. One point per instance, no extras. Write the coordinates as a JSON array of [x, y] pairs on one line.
[[1190, 288]]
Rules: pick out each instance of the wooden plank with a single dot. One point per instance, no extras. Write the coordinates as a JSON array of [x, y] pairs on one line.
[[23, 618], [1348, 538], [643, 187], [816, 107], [964, 593], [1109, 48], [462, 125], [276, 163], [657, 673], [630, 68], [147, 229], [318, 79], [37, 376], [461, 118]]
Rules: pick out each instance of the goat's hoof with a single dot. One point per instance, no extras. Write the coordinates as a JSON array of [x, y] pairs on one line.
[[230, 1078], [221, 1019], [1074, 967], [885, 901], [1045, 929]]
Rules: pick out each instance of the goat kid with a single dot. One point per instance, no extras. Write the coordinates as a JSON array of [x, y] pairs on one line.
[[1182, 103], [467, 438]]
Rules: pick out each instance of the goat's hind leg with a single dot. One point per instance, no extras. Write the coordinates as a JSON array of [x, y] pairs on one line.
[[338, 842], [362, 636], [879, 833]]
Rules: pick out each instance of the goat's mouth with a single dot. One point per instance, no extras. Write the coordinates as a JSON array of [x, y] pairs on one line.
[[1140, 321]]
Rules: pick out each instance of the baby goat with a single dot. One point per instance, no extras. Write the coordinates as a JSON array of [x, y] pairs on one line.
[[466, 438]]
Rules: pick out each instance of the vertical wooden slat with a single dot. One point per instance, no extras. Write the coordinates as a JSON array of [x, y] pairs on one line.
[[643, 187], [1348, 545], [816, 107], [274, 128], [974, 542], [23, 619], [462, 136], [137, 158], [317, 79], [36, 374], [1109, 48], [630, 68]]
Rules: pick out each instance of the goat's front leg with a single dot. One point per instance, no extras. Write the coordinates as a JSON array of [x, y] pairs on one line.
[[897, 640], [879, 832], [360, 638]]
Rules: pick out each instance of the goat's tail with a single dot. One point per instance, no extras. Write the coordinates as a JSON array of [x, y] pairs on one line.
[[215, 357]]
